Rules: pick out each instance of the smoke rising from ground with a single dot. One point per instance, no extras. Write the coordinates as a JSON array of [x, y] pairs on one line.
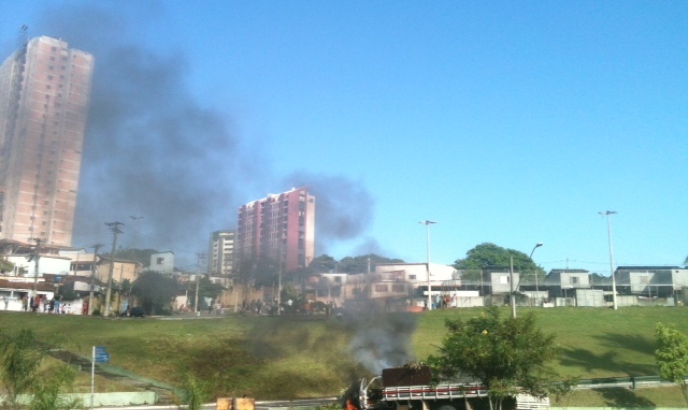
[[153, 151], [383, 341]]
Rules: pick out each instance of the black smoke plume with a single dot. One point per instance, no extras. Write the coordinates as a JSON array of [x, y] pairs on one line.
[[152, 150], [344, 208]]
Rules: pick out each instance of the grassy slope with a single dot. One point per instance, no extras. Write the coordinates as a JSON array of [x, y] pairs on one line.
[[290, 358], [595, 342]]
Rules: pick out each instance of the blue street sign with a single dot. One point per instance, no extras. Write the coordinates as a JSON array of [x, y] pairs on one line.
[[102, 356]]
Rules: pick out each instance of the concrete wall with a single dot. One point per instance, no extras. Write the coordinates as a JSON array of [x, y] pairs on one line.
[[590, 298], [104, 399]]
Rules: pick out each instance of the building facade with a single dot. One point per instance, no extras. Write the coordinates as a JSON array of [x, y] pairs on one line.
[[44, 94], [280, 227], [221, 253], [651, 281], [162, 262], [563, 282]]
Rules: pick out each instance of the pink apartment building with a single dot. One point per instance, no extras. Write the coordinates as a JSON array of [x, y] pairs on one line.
[[44, 94], [278, 227]]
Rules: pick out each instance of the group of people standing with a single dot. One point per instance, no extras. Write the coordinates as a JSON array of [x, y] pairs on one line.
[[34, 304]]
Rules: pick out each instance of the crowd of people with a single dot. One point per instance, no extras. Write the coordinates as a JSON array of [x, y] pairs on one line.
[[40, 304]]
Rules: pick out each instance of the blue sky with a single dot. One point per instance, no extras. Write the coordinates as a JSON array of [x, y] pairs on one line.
[[506, 122]]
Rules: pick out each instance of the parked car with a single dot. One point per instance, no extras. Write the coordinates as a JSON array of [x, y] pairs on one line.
[[136, 311]]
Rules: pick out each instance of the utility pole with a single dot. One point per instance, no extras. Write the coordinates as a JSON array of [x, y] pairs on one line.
[[511, 285], [611, 256], [114, 227], [36, 256], [279, 279], [93, 275], [201, 258], [370, 283]]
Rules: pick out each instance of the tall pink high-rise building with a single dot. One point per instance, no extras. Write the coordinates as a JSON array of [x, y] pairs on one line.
[[44, 94], [278, 227]]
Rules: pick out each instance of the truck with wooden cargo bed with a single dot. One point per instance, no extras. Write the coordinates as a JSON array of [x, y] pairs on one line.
[[411, 388]]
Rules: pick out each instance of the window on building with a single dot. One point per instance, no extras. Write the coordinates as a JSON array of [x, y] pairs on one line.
[[381, 288], [574, 280], [160, 261]]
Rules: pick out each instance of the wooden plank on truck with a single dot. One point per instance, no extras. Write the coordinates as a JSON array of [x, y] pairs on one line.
[[223, 403], [244, 403], [406, 376]]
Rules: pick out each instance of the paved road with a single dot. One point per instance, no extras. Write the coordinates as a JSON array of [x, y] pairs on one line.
[[260, 405]]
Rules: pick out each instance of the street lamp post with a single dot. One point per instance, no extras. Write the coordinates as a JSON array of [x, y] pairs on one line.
[[537, 287], [427, 224], [611, 255], [511, 280]]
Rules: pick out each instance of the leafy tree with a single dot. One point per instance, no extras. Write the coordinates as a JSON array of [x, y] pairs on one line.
[[206, 289], [359, 264], [508, 356], [297, 298], [125, 287], [257, 272], [489, 255], [323, 264], [6, 266], [597, 279], [19, 363], [672, 356], [21, 356], [49, 389], [155, 290]]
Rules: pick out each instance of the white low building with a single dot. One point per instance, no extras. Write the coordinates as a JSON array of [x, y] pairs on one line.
[[417, 273]]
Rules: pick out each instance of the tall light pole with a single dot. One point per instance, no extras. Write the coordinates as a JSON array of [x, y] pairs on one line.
[[427, 224], [537, 287], [611, 255]]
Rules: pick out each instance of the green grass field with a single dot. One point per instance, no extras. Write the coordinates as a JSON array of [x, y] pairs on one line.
[[298, 357]]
